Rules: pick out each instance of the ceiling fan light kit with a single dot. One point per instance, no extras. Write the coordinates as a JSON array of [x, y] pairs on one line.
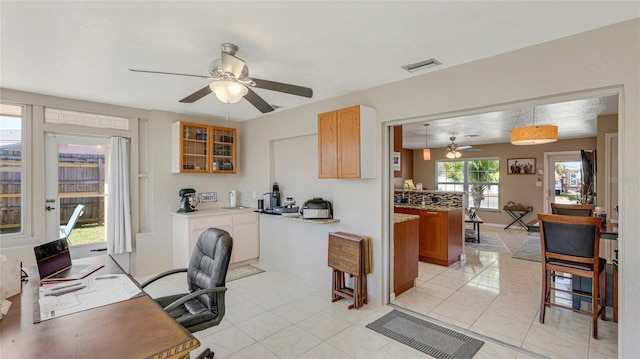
[[534, 135], [231, 82], [228, 91], [454, 154], [454, 149]]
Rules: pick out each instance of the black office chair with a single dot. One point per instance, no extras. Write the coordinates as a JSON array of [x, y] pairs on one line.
[[571, 245], [203, 306]]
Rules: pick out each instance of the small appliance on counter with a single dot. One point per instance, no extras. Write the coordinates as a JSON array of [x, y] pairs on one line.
[[289, 207], [274, 197], [317, 208], [233, 199], [188, 200]]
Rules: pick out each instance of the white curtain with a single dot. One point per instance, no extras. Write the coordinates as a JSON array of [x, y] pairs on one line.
[[119, 207]]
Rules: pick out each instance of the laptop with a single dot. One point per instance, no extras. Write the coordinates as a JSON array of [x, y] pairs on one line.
[[54, 262]]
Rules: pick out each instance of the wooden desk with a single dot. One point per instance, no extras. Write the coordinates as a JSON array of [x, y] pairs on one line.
[[134, 328]]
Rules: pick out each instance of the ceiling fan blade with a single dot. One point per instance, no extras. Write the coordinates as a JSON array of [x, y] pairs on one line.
[[464, 147], [197, 95], [232, 64], [257, 101], [168, 73], [281, 87], [472, 149]]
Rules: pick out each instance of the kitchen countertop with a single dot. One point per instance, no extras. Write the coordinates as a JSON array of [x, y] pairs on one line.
[[427, 207], [213, 211], [306, 220], [402, 217]]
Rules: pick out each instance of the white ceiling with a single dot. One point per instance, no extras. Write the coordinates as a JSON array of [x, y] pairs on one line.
[[82, 50], [575, 119]]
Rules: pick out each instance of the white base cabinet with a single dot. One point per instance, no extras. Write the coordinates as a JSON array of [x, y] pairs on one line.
[[242, 225]]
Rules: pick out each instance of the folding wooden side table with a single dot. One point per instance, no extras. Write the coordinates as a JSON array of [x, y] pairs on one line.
[[347, 255]]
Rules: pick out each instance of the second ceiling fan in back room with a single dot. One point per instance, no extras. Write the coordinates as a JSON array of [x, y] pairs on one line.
[[454, 149], [231, 82]]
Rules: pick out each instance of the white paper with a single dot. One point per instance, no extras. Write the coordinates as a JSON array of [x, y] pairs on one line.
[[92, 293]]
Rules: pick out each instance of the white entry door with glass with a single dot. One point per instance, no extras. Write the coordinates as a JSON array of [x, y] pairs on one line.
[[563, 178], [76, 191]]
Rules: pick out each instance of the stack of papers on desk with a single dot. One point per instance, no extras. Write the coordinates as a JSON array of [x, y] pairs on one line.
[[72, 297]]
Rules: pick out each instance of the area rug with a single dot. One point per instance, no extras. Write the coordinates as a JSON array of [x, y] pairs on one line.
[[489, 242], [429, 338], [242, 271], [530, 250]]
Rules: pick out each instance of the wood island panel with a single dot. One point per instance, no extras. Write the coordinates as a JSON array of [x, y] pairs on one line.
[[405, 254]]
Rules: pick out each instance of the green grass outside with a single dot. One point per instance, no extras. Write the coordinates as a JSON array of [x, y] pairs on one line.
[[87, 233]]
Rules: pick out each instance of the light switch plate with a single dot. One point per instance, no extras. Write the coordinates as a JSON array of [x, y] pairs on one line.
[[539, 184], [208, 197]]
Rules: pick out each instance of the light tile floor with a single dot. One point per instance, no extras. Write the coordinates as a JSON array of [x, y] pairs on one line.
[[492, 297]]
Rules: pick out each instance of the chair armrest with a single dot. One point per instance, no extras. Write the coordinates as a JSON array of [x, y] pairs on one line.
[[190, 296], [162, 275]]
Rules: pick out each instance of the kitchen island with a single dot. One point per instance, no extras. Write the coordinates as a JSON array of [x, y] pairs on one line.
[[405, 252], [440, 231]]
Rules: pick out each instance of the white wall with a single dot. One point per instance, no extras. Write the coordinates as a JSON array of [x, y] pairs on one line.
[[277, 145], [603, 61], [164, 187]]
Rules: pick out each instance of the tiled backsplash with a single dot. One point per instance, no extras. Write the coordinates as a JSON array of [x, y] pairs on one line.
[[448, 199]]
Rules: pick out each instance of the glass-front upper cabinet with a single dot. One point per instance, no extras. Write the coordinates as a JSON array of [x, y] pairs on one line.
[[224, 149], [199, 148]]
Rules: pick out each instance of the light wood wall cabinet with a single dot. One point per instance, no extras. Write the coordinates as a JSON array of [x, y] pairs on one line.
[[440, 235], [242, 226], [346, 143], [199, 148]]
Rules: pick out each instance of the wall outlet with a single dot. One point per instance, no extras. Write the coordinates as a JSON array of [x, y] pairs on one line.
[[208, 197]]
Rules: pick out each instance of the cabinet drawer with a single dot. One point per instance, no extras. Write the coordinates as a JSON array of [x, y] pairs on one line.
[[245, 218], [212, 221]]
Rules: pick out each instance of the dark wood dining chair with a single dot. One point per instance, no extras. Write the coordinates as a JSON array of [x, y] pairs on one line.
[[578, 210], [571, 245]]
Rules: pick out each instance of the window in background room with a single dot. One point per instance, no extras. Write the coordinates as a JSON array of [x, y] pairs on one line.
[[478, 178], [12, 170]]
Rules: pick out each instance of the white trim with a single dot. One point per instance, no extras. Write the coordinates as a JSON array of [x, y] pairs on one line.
[[608, 138], [26, 190]]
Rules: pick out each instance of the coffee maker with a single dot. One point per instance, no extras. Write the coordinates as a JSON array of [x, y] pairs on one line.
[[274, 198], [188, 200]]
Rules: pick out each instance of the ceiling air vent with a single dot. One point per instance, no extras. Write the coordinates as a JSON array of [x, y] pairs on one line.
[[422, 65]]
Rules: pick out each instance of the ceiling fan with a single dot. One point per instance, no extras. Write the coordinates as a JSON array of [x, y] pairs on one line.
[[454, 149], [231, 82]]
